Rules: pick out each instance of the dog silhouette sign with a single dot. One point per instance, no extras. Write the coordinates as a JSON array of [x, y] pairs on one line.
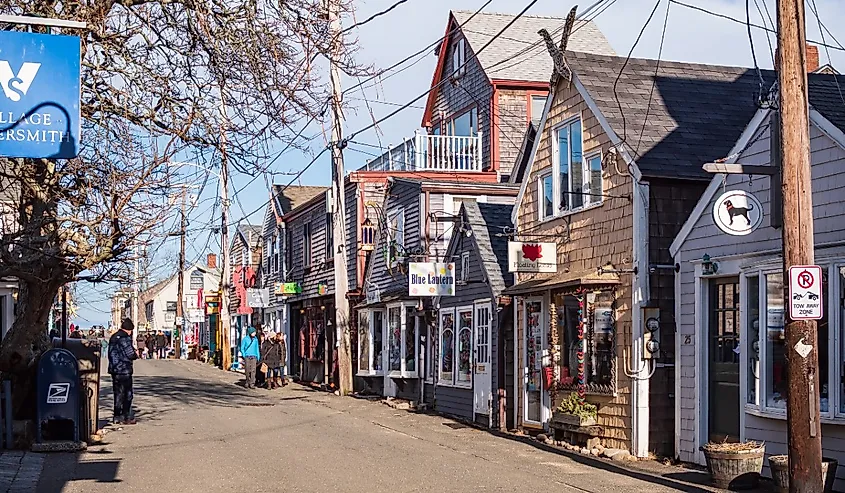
[[737, 213]]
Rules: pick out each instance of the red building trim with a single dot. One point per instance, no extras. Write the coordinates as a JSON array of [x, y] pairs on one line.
[[520, 84], [528, 95], [438, 73]]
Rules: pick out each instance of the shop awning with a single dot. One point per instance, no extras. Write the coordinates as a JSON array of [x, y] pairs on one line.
[[562, 280]]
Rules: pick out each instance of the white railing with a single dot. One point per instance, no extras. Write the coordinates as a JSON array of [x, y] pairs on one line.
[[431, 153]]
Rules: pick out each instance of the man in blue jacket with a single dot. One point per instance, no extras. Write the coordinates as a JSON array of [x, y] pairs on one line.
[[250, 351], [121, 356]]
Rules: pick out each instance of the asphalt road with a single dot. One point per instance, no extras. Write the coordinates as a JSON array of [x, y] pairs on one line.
[[199, 431]]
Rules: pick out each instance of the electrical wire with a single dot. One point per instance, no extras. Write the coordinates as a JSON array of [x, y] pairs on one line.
[[653, 81], [822, 28], [373, 17], [753, 52]]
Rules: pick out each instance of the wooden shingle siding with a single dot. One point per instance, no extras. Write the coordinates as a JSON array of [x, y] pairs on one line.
[[512, 123], [352, 247], [587, 240], [473, 89], [828, 187], [319, 270], [405, 196]]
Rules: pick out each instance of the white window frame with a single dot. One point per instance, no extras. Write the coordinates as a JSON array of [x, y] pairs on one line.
[[544, 343], [541, 196], [459, 58], [471, 310], [371, 332], [592, 197], [587, 201], [396, 234], [329, 247], [432, 357], [464, 267], [441, 379], [403, 331], [307, 252]]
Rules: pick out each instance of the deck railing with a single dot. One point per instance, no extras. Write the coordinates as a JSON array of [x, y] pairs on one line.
[[423, 152]]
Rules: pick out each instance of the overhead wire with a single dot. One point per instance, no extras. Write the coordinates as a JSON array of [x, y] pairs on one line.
[[822, 28]]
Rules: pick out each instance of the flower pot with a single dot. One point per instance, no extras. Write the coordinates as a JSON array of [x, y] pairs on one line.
[[779, 464], [572, 419], [734, 469]]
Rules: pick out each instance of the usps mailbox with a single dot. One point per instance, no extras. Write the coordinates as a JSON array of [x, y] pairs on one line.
[[58, 392]]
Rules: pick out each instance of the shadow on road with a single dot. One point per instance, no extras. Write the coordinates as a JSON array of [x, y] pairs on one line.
[[59, 470]]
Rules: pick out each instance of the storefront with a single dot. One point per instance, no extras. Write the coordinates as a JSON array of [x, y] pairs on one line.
[[312, 346]]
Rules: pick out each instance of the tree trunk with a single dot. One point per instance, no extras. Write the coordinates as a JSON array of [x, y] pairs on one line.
[[25, 342]]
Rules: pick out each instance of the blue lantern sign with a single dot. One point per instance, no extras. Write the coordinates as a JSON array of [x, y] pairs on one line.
[[39, 95]]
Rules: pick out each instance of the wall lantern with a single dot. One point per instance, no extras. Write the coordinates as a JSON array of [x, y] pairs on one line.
[[368, 236], [708, 267]]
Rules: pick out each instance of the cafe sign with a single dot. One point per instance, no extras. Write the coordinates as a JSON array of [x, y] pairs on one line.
[[283, 288], [532, 257], [431, 279]]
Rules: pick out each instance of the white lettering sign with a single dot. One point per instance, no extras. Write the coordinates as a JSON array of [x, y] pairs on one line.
[[532, 257], [57, 393], [805, 292], [431, 279]]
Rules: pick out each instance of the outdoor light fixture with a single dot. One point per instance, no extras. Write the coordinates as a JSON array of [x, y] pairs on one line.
[[302, 310], [708, 267]]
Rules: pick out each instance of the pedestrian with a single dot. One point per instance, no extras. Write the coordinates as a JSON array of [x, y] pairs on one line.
[[151, 346], [271, 356], [283, 357], [141, 345], [161, 345], [261, 374], [121, 356], [250, 351]]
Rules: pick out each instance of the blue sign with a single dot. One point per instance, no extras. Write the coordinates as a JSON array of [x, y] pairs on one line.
[[39, 100]]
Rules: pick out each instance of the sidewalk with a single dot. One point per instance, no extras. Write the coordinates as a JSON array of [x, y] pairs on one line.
[[19, 471]]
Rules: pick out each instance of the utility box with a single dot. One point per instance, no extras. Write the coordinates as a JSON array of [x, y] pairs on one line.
[[58, 397]]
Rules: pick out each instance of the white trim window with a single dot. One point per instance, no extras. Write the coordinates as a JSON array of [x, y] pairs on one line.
[[579, 183], [463, 351], [456, 357], [396, 236], [370, 346], [458, 58], [545, 196], [433, 352], [402, 341], [446, 362], [464, 276], [277, 239], [533, 346]]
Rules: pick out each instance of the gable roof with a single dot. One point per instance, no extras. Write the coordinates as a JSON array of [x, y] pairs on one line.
[[288, 198], [244, 231], [519, 53], [491, 242], [826, 96], [696, 114]]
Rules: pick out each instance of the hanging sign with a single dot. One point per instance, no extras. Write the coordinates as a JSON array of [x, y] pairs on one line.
[[196, 316], [431, 279], [737, 213], [283, 288], [258, 298], [322, 288], [805, 292], [39, 100], [532, 257], [170, 318], [373, 294]]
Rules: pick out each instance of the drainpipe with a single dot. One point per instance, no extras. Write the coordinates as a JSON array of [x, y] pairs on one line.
[[640, 298]]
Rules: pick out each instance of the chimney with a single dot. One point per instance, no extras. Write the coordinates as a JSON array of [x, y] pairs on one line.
[[212, 261], [812, 58]]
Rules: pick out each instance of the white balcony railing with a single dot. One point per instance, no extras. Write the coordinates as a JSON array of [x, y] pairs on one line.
[[425, 152]]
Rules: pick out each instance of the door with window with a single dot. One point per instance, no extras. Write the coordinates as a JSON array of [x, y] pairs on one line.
[[723, 360], [482, 368]]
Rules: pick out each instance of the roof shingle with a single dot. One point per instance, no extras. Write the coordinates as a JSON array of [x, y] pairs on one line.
[[291, 197], [488, 222]]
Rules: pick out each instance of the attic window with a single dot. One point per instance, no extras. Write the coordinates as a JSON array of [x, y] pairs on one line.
[[458, 58]]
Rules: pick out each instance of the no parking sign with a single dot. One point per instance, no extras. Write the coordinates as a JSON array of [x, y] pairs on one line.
[[805, 292]]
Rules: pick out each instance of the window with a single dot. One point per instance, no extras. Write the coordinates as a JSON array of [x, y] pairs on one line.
[[546, 194], [458, 58], [364, 342], [403, 341], [456, 347], [447, 347], [377, 332], [288, 251], [329, 239], [533, 360], [464, 350], [270, 248], [538, 104], [590, 334], [433, 355], [463, 125], [306, 245], [464, 267], [394, 327], [752, 340], [396, 235], [579, 182]]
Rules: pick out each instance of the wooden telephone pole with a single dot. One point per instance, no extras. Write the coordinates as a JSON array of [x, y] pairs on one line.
[[341, 276], [180, 290], [803, 427]]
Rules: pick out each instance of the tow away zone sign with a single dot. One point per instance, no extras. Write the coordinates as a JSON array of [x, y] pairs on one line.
[[805, 292]]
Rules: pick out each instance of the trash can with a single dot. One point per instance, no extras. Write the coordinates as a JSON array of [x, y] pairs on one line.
[[87, 353]]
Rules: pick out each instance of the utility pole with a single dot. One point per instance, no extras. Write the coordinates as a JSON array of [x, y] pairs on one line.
[[803, 427], [135, 300], [225, 322], [180, 290], [341, 276]]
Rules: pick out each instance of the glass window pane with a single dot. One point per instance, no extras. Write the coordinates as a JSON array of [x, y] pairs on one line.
[[534, 356], [752, 340], [824, 348], [394, 317], [575, 164], [465, 347], [364, 341], [447, 347], [538, 104], [548, 196], [594, 181], [775, 343], [433, 354], [563, 166], [378, 340], [410, 341]]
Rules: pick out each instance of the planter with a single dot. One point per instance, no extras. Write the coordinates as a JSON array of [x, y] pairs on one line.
[[779, 464], [572, 419], [734, 469]]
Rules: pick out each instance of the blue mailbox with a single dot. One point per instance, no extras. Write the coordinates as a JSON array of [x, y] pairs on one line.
[[58, 390]]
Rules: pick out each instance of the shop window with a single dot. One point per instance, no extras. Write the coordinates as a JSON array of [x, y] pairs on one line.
[[533, 360], [447, 347], [377, 332], [364, 342], [394, 327], [315, 340], [595, 339], [464, 349], [403, 341], [410, 343], [752, 339], [432, 355]]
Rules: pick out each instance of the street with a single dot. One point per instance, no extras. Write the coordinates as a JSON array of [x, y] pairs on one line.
[[199, 431]]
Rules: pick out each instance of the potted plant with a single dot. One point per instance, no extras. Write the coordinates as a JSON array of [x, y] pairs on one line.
[[574, 411], [779, 465], [734, 466]]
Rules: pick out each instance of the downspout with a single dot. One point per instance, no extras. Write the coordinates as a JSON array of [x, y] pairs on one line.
[[640, 298], [494, 130]]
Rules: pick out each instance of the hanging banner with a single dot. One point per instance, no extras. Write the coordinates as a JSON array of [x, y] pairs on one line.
[[39, 100], [532, 257], [431, 279]]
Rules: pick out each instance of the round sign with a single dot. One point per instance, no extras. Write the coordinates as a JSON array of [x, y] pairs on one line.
[[737, 213]]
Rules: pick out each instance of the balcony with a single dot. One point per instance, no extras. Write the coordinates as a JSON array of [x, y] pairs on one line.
[[425, 152]]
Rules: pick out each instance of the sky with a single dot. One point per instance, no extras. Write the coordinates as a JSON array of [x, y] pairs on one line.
[[691, 36]]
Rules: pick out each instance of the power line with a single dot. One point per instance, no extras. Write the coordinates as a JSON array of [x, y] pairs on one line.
[[822, 29], [372, 17], [654, 80], [753, 52]]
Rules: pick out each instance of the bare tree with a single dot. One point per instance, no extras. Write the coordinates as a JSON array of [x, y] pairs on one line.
[[155, 76]]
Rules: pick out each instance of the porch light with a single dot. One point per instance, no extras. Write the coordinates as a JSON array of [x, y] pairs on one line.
[[368, 236], [708, 267]]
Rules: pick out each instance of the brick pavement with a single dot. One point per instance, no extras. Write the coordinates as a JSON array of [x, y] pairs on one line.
[[20, 471]]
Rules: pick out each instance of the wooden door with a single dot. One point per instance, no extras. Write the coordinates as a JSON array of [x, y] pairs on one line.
[[723, 360]]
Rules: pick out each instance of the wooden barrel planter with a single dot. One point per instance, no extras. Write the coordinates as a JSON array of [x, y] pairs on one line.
[[734, 466], [779, 464]]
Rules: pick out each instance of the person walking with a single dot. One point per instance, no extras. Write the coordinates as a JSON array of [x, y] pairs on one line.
[[283, 357], [271, 355], [121, 357], [141, 344], [151, 346], [261, 372], [250, 351], [161, 345]]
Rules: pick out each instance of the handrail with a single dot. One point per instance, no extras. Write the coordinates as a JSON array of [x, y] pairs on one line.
[[423, 152]]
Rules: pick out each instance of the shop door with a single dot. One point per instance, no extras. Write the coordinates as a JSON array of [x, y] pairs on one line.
[[723, 360], [483, 367]]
